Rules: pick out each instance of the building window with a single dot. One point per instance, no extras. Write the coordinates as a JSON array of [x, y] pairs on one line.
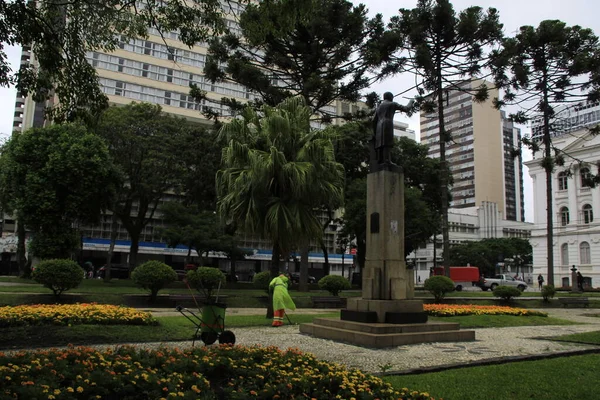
[[562, 181], [586, 177], [564, 216], [584, 253], [564, 254], [588, 214]]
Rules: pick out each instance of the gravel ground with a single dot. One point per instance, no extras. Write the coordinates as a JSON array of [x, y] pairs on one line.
[[489, 343]]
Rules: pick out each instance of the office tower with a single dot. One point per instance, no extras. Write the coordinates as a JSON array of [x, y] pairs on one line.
[[479, 152]]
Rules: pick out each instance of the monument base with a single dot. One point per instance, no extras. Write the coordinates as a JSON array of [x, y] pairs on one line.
[[377, 335], [385, 323], [384, 311]]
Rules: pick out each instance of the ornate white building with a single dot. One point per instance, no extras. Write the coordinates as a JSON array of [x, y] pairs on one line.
[[574, 201]]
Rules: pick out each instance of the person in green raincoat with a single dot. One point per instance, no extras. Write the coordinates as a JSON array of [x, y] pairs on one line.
[[281, 298]]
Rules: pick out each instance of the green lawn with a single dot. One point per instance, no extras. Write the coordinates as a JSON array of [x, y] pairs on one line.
[[586, 337], [174, 328], [562, 378], [500, 321], [179, 328]]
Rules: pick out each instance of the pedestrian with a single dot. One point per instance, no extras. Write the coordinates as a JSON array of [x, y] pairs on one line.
[[540, 281], [281, 298], [579, 281]]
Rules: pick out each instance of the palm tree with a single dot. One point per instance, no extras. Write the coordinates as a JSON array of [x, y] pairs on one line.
[[276, 174]]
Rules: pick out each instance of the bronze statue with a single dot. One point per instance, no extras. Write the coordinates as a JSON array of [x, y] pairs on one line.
[[383, 127]]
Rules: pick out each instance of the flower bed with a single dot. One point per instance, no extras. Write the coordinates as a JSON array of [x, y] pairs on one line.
[[71, 314], [450, 310], [209, 373]]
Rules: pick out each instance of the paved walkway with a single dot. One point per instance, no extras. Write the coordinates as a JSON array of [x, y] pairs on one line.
[[490, 343]]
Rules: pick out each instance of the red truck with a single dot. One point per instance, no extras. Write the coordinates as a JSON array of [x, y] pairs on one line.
[[462, 276]]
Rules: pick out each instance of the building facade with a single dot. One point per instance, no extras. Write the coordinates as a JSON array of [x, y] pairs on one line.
[[467, 225], [576, 232], [479, 153]]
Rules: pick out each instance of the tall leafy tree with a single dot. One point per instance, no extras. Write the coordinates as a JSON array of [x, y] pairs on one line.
[[145, 144], [276, 173], [321, 50], [54, 179], [61, 32], [544, 70], [444, 50]]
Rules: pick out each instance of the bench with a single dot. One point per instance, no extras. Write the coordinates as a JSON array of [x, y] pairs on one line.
[[328, 301], [565, 301]]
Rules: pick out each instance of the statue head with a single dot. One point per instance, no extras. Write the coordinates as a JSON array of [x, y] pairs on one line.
[[388, 96]]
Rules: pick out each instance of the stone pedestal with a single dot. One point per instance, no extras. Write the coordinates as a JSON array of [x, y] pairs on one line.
[[387, 314]]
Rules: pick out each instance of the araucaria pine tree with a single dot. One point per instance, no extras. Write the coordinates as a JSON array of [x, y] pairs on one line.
[[542, 70]]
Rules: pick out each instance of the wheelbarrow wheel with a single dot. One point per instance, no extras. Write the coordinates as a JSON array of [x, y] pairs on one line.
[[209, 337], [227, 337]]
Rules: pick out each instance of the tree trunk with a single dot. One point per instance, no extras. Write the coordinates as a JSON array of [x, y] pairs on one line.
[[232, 260], [549, 211], [443, 179], [133, 251], [21, 257], [325, 256], [111, 246], [303, 269], [343, 269]]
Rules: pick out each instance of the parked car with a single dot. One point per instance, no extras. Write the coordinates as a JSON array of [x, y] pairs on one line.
[[296, 278], [181, 273], [503, 280], [117, 271]]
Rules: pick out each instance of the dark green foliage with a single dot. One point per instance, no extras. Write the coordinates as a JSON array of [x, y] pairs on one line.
[[506, 293], [261, 280], [60, 47], [321, 50], [58, 275], [485, 254], [446, 49], [548, 292], [334, 284], [145, 145], [206, 280], [546, 71], [276, 174], [153, 276], [53, 178], [438, 286]]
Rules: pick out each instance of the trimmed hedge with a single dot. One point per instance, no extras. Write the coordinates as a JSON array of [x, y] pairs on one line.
[[58, 275]]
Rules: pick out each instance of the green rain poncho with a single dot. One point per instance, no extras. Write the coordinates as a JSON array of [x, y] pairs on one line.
[[281, 297]]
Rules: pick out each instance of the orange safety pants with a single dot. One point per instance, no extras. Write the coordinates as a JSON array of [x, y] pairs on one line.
[[278, 317]]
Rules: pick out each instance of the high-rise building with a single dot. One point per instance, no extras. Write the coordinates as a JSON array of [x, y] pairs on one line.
[[159, 70], [479, 153], [568, 119]]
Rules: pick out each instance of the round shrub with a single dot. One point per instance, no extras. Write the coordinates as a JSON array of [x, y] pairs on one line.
[[334, 284], [153, 276], [438, 286], [206, 280], [506, 293], [58, 275], [548, 292], [261, 280]]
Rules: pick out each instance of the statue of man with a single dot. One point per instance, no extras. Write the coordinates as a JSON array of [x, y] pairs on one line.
[[383, 126]]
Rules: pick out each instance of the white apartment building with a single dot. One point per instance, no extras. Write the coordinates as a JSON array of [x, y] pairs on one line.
[[574, 202], [467, 225]]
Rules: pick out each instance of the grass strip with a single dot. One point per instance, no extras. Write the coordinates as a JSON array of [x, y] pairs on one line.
[[518, 380]]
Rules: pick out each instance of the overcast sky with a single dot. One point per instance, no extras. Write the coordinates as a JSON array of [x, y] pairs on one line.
[[513, 14]]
